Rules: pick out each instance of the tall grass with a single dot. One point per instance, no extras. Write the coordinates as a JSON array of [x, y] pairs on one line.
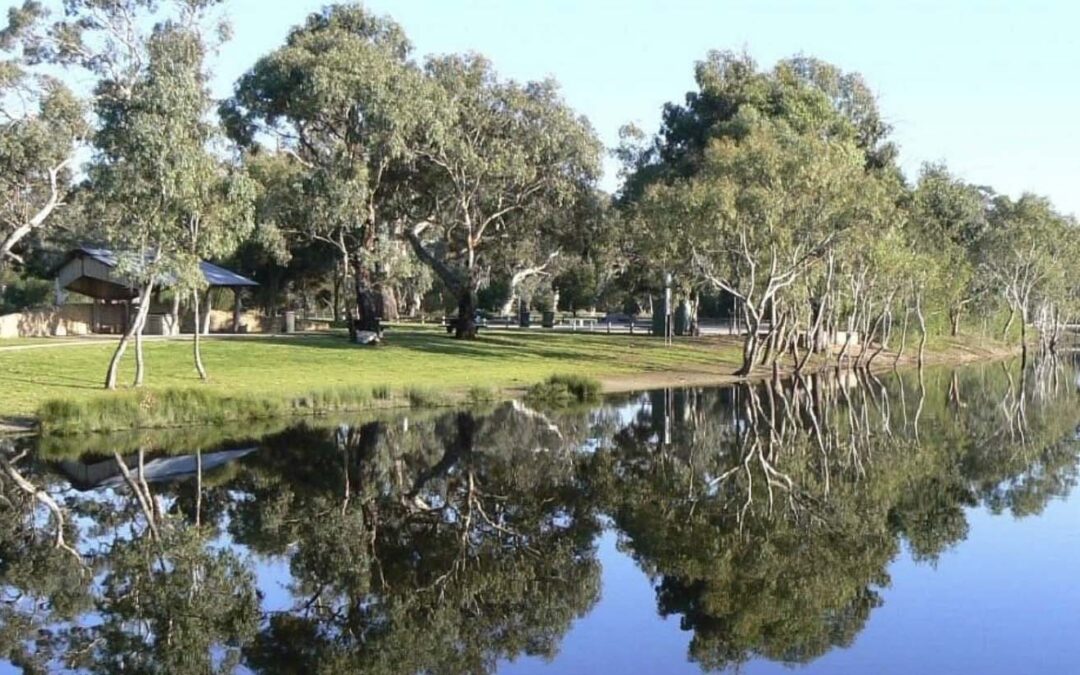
[[564, 391], [420, 397], [478, 395], [170, 408], [191, 407]]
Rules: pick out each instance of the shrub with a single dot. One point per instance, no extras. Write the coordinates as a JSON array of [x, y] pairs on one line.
[[478, 395], [565, 390], [424, 398], [336, 398]]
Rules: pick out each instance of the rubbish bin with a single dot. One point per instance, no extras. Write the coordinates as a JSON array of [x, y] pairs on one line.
[[548, 320], [290, 322], [659, 317], [525, 319], [682, 319]]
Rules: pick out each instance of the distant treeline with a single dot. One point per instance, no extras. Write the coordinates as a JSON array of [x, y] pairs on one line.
[[346, 174]]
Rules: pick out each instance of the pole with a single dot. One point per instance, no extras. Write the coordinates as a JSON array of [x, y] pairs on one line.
[[667, 309]]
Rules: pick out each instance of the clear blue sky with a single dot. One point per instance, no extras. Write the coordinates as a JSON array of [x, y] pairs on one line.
[[991, 87]]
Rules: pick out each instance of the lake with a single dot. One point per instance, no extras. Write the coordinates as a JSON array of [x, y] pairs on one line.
[[921, 522]]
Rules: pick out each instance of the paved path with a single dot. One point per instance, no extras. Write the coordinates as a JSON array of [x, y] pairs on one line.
[[53, 343]]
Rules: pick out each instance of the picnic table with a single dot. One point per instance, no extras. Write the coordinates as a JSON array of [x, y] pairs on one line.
[[576, 323]]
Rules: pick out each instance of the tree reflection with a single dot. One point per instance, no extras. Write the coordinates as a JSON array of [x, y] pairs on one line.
[[41, 581], [766, 515], [427, 547]]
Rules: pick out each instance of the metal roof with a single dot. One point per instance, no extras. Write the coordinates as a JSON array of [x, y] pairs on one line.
[[219, 276], [214, 274]]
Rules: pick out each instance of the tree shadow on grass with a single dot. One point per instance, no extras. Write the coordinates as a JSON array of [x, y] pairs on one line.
[[486, 347], [51, 380]]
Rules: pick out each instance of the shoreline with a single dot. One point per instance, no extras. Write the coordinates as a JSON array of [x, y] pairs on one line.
[[690, 375], [951, 356]]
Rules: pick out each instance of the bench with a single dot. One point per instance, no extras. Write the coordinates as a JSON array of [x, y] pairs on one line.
[[450, 323], [575, 323]]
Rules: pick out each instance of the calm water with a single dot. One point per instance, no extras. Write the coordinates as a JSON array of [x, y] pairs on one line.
[[899, 524]]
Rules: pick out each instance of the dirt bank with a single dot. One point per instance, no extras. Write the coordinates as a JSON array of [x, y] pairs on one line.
[[954, 352]]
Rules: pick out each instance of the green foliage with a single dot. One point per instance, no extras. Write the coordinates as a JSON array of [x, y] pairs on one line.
[[156, 174], [165, 408], [43, 126], [23, 292], [343, 89], [423, 397], [1026, 256], [565, 390], [478, 395], [504, 163]]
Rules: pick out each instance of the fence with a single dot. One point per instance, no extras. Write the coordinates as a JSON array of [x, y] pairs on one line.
[[48, 321]]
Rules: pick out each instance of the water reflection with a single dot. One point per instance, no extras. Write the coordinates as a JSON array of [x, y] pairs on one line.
[[766, 516]]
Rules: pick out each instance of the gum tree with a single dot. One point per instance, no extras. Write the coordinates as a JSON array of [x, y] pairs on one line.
[[759, 214], [949, 218], [1020, 254], [211, 204], [42, 125], [342, 98], [163, 196], [502, 159]]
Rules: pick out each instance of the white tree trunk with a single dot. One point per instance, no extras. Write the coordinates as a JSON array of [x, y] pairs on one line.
[[114, 363], [197, 353]]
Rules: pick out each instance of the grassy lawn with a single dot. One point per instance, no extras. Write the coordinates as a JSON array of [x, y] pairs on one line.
[[9, 343], [413, 357]]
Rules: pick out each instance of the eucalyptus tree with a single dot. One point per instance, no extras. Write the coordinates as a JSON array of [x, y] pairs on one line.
[[212, 200], [136, 113], [948, 219], [281, 255], [166, 135], [43, 124], [343, 99], [167, 199], [810, 95], [759, 213], [1020, 253], [562, 253], [800, 98], [875, 268], [528, 268], [504, 160]]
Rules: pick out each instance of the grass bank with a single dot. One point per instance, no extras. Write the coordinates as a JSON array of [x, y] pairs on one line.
[[258, 377]]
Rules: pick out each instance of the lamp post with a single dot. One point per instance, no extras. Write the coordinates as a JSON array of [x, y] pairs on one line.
[[667, 308]]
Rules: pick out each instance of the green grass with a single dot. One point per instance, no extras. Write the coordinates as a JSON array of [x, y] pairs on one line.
[[45, 341], [317, 369], [257, 377]]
